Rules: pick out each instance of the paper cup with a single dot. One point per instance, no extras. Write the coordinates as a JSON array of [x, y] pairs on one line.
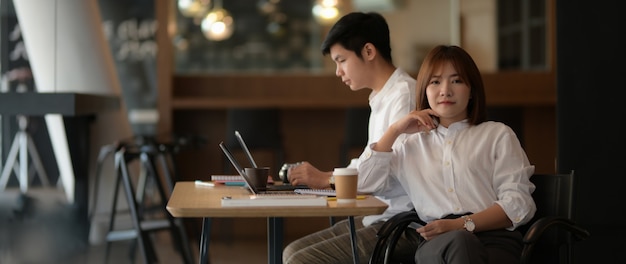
[[346, 184]]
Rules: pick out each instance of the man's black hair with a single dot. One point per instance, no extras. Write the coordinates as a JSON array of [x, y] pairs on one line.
[[354, 30]]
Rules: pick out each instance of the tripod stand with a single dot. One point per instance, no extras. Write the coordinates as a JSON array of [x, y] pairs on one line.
[[23, 145]]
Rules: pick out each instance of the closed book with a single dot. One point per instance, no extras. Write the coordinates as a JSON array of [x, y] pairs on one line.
[[233, 178], [274, 200]]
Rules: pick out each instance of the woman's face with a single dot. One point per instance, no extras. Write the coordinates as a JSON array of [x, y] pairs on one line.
[[448, 94]]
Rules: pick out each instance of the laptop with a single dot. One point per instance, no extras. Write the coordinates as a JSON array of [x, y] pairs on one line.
[[267, 198], [246, 150], [241, 171]]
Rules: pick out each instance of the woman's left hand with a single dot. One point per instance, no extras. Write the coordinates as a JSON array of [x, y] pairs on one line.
[[435, 228]]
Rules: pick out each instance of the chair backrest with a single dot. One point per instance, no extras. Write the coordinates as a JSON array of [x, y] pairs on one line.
[[261, 129], [356, 132], [554, 197], [553, 194]]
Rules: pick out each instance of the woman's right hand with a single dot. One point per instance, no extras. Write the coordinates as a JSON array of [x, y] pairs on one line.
[[417, 121]]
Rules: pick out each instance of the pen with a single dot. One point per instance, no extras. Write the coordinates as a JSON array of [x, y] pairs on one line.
[[204, 183]]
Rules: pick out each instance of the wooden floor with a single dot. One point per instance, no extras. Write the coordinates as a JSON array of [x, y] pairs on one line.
[[254, 251], [43, 235]]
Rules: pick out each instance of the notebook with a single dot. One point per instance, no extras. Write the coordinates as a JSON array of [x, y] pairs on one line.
[[325, 192], [283, 187], [233, 179]]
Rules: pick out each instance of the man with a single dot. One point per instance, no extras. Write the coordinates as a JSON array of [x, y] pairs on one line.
[[360, 47]]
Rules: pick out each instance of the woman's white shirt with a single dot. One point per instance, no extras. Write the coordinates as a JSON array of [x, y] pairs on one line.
[[458, 169]]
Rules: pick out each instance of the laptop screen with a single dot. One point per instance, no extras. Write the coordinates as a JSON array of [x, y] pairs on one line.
[[238, 167], [245, 149]]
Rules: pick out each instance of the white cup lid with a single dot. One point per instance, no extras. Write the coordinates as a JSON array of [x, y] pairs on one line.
[[345, 171]]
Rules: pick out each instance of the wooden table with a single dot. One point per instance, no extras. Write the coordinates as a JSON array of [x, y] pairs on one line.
[[189, 200]]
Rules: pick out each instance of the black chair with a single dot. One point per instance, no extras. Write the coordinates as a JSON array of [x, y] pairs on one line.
[[548, 237], [354, 138], [356, 132], [148, 213], [143, 221], [261, 129]]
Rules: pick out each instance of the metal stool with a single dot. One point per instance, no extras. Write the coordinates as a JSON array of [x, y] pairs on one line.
[[23, 146], [142, 226]]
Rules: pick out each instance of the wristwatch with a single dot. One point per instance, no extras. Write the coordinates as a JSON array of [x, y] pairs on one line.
[[469, 224], [331, 181]]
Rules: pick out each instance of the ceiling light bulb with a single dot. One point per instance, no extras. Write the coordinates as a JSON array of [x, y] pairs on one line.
[[329, 3], [218, 25], [325, 14], [193, 8]]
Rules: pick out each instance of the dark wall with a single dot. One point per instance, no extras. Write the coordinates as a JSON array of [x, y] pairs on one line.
[[130, 28], [591, 51]]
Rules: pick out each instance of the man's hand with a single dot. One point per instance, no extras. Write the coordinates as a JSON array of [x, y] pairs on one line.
[[307, 174]]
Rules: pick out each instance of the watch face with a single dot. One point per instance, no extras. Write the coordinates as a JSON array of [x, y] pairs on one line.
[[469, 224]]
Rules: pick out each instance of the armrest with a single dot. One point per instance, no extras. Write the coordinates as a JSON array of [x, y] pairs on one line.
[[539, 227], [404, 218], [392, 228]]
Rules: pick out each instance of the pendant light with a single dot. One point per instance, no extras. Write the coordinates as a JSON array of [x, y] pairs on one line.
[[193, 8], [218, 24], [326, 12]]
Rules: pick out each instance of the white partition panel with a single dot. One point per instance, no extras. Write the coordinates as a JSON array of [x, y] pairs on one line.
[[68, 53]]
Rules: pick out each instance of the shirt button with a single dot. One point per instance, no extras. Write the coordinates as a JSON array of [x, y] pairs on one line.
[[449, 142], [450, 190], [447, 163]]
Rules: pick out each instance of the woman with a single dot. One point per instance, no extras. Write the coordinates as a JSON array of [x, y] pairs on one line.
[[468, 178]]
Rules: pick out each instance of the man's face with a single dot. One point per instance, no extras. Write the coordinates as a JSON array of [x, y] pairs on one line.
[[349, 67]]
